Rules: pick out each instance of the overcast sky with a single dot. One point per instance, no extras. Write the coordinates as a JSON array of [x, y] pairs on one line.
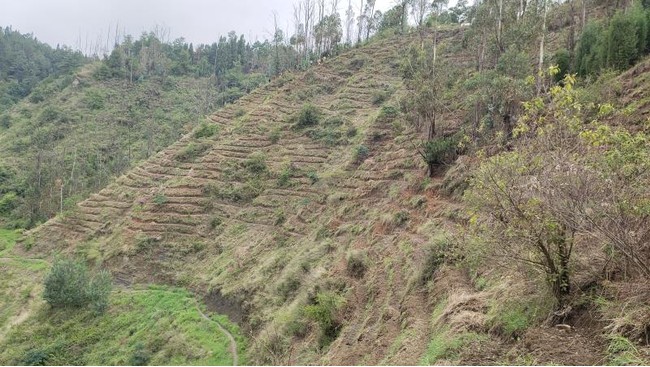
[[77, 22]]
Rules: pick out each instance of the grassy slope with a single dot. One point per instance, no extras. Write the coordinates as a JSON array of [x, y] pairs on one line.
[[160, 325]]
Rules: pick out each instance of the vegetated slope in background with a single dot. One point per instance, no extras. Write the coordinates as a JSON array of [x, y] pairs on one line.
[[263, 214], [74, 134]]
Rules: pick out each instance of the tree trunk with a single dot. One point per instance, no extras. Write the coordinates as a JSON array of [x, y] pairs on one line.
[[540, 66]]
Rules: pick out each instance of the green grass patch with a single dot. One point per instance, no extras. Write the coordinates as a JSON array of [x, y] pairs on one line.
[[511, 318], [206, 130], [622, 352], [156, 326], [8, 239], [445, 346]]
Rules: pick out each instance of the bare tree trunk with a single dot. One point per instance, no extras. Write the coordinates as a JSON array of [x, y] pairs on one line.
[[540, 64], [361, 16]]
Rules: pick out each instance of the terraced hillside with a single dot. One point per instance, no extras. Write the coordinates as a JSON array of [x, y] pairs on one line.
[[265, 217]]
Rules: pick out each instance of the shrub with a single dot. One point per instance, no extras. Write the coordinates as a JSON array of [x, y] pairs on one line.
[[99, 290], [439, 251], [309, 116], [192, 151], [400, 218], [35, 357], [160, 199], [240, 112], [206, 130], [388, 114], [357, 264], [289, 286], [379, 97], [215, 222], [361, 153], [563, 60], [329, 136], [313, 177], [323, 312], [274, 136], [5, 121], [256, 163], [284, 179], [140, 356], [439, 151], [68, 285], [94, 100]]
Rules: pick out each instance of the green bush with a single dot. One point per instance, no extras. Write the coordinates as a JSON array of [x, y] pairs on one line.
[[192, 151], [274, 136], [68, 285], [284, 178], [256, 163], [313, 177], [99, 290], [94, 99], [440, 151], [309, 115], [388, 113], [400, 218], [323, 312], [379, 97], [361, 153], [563, 61], [160, 199], [206, 130], [140, 356], [35, 357], [5, 121], [439, 251]]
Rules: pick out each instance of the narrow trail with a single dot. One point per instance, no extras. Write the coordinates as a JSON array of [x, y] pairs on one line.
[[233, 343]]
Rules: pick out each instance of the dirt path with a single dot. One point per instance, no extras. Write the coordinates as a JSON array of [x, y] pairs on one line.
[[233, 343]]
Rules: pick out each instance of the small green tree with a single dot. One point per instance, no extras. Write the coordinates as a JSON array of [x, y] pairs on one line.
[[622, 39], [69, 285], [65, 285]]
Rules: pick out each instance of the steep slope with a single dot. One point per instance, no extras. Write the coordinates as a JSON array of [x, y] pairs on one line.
[[264, 216], [75, 134]]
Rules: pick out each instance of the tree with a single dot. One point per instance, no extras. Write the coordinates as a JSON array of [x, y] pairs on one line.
[[328, 33], [426, 84], [69, 285], [349, 23], [622, 41], [564, 185]]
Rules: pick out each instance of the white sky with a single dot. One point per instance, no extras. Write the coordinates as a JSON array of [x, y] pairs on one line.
[[78, 22]]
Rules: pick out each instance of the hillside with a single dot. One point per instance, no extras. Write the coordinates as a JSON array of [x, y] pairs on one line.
[[305, 214], [261, 200], [79, 132]]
